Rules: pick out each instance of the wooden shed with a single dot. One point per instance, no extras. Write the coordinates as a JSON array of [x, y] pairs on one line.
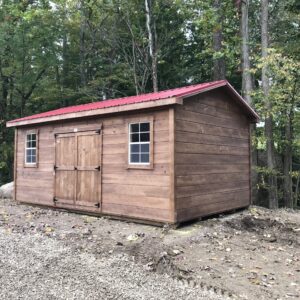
[[164, 157]]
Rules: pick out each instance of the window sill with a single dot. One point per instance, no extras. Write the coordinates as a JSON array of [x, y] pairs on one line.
[[140, 166], [30, 165]]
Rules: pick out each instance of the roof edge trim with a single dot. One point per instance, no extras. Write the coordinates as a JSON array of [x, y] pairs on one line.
[[234, 92], [96, 112]]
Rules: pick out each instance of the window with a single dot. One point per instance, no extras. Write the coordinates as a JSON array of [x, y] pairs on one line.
[[139, 143], [31, 149]]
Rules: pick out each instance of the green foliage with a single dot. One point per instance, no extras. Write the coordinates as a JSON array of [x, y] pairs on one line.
[[64, 52]]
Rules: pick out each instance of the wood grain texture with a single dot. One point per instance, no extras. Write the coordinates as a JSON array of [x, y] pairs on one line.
[[125, 192], [211, 156]]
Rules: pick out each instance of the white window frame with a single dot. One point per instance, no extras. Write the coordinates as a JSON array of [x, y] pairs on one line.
[[139, 143], [31, 164]]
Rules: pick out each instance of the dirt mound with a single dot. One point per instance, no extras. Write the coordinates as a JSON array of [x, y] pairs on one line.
[[271, 230]]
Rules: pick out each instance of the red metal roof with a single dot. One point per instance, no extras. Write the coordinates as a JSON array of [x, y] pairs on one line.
[[178, 92]]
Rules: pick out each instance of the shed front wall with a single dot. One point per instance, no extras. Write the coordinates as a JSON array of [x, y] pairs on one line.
[[212, 158], [135, 193]]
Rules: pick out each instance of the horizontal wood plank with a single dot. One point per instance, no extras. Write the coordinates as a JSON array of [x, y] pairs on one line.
[[137, 180], [146, 213], [190, 158], [199, 138], [150, 202], [189, 180], [199, 117], [186, 126], [194, 169], [212, 149], [210, 209], [213, 198], [134, 190], [184, 191]]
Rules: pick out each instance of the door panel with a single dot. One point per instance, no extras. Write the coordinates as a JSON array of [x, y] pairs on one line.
[[88, 150], [87, 188], [78, 168], [65, 147], [88, 169], [64, 168], [64, 186]]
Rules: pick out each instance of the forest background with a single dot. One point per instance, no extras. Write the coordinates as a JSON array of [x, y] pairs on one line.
[[59, 53]]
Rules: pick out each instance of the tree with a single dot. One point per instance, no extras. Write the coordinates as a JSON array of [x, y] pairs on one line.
[[219, 61], [271, 163], [152, 38]]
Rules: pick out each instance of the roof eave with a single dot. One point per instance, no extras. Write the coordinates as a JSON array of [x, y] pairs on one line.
[[98, 112]]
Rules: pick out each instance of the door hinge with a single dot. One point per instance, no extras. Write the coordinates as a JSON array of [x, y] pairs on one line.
[[55, 199], [75, 168], [55, 167], [97, 205], [98, 131], [98, 168]]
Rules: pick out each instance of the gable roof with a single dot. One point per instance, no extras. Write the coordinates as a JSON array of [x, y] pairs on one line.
[[167, 97]]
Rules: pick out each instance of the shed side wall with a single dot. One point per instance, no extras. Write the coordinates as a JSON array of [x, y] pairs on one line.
[[135, 193], [211, 156]]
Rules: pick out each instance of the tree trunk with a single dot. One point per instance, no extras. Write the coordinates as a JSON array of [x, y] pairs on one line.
[[296, 190], [247, 80], [219, 62], [152, 44], [272, 179], [287, 164], [82, 46], [243, 7]]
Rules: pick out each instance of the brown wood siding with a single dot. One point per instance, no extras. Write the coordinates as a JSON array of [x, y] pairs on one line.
[[211, 156], [136, 193]]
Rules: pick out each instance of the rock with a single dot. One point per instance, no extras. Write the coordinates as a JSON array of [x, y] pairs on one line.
[[7, 190], [86, 231], [132, 237]]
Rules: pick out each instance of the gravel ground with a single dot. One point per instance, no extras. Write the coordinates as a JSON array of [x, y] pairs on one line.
[[37, 267], [48, 254]]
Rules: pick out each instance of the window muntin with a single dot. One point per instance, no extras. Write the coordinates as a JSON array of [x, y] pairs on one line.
[[139, 143], [31, 149]]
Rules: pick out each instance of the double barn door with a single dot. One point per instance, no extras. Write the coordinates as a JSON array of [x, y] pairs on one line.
[[78, 169]]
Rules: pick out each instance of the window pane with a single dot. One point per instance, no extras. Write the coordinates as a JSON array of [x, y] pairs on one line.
[[135, 148], [31, 151], [134, 127], [134, 158], [28, 155], [145, 158], [135, 138], [145, 137], [145, 126], [145, 148]]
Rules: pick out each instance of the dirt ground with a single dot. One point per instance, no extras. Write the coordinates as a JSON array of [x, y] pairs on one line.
[[47, 254]]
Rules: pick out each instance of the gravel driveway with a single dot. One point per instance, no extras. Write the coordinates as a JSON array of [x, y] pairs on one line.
[[49, 254], [35, 266]]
